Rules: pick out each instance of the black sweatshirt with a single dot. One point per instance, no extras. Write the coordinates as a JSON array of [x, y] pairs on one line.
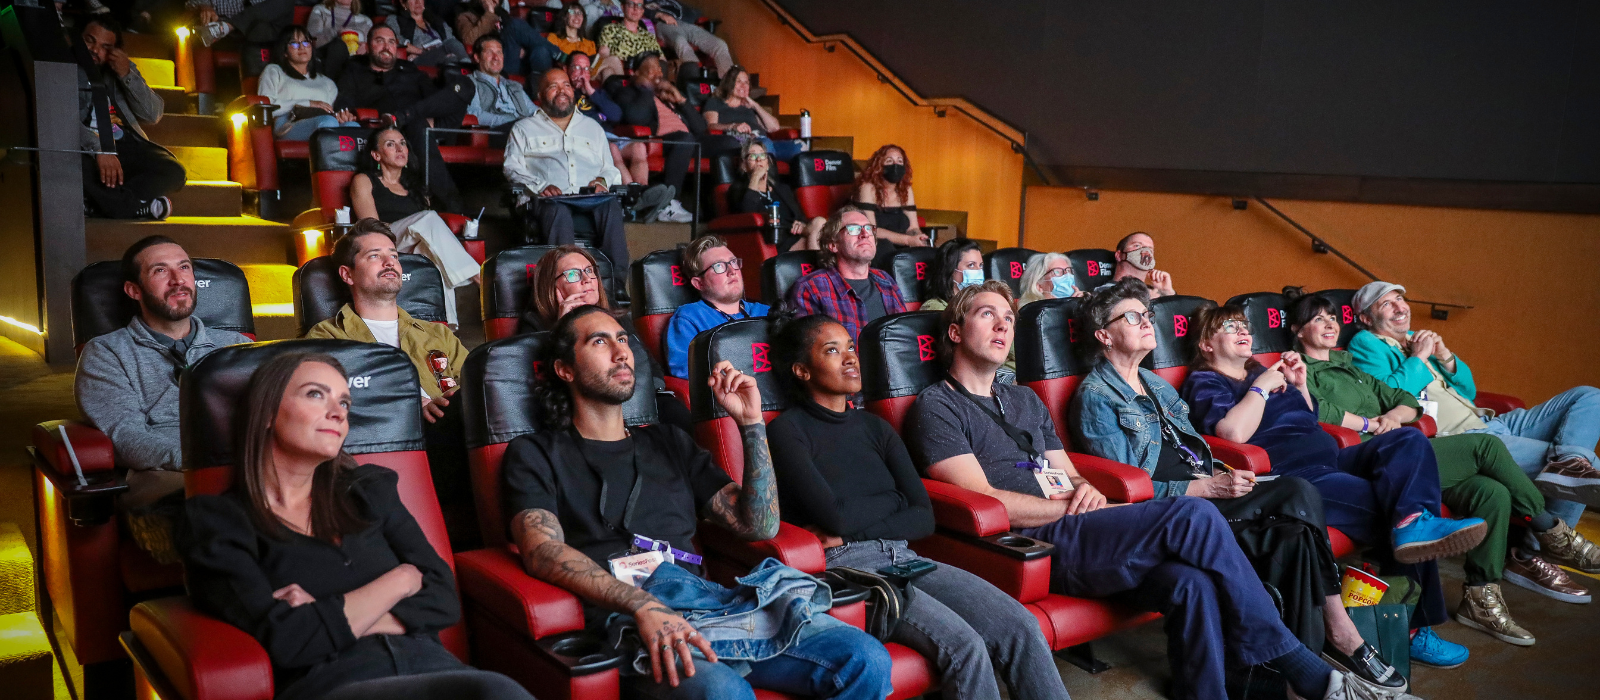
[[848, 474]]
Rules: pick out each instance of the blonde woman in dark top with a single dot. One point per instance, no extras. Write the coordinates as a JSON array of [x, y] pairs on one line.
[[318, 559]]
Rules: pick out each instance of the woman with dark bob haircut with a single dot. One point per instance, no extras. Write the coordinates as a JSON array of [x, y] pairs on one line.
[[318, 558], [1129, 414]]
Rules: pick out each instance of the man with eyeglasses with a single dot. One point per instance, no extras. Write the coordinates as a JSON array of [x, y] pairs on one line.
[[714, 270], [845, 285], [369, 262], [1554, 442], [127, 382], [1136, 258]]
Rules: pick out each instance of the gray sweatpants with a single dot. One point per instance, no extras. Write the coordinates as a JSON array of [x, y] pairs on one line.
[[685, 38]]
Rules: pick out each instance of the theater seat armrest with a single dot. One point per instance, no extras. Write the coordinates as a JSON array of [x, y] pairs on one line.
[[1426, 424], [493, 579], [1501, 404], [196, 655], [1119, 482], [1342, 435], [631, 131], [784, 134], [244, 102], [455, 221], [1239, 455], [737, 222], [793, 546], [93, 448], [965, 511]]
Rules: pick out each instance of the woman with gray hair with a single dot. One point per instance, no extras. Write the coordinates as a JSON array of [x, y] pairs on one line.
[[1048, 276]]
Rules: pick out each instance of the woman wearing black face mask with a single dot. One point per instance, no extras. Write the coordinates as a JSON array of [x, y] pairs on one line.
[[883, 190]]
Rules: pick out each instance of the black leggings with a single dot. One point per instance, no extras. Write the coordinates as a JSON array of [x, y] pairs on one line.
[[148, 171]]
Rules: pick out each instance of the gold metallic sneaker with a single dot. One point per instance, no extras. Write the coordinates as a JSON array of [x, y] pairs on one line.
[[1564, 546], [1483, 609]]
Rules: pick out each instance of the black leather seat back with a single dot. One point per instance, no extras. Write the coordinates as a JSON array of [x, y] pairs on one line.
[[909, 268], [1007, 265], [1092, 267], [831, 168], [99, 305], [778, 274], [1269, 322], [1048, 340], [1173, 320], [899, 355], [744, 344], [319, 293], [338, 149], [657, 284]]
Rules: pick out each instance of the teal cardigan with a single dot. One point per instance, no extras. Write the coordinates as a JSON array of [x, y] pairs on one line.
[[1395, 368]]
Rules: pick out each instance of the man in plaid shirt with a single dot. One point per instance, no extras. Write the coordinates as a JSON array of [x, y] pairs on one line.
[[844, 285]]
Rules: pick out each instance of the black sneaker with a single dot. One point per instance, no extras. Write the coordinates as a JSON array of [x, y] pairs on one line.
[[157, 209], [1366, 666]]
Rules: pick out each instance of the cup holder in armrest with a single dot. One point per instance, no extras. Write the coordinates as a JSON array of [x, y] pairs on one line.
[[846, 593], [1019, 547], [581, 652]]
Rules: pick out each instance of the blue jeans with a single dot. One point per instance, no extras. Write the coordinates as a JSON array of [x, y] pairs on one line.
[[843, 663], [303, 129], [517, 36], [1568, 425]]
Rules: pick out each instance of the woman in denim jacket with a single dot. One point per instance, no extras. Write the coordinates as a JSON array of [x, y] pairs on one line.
[[1126, 413]]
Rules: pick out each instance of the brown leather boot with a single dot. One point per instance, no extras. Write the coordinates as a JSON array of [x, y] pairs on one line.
[[1484, 609], [1564, 546]]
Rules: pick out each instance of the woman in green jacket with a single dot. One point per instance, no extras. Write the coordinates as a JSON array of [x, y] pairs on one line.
[[1476, 472]]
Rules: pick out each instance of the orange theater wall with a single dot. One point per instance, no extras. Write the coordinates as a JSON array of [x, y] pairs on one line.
[[958, 163], [1532, 278]]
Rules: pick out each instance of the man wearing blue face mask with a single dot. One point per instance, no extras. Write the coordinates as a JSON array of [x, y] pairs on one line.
[[958, 265]]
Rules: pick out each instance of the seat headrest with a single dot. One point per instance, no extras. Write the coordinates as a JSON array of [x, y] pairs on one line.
[[743, 343], [657, 285], [1344, 308], [1269, 322], [1006, 265], [1048, 340], [725, 168], [319, 293], [1173, 317], [1092, 267], [778, 274], [508, 276], [899, 355], [822, 168], [384, 413], [99, 306], [910, 267], [497, 381], [338, 148]]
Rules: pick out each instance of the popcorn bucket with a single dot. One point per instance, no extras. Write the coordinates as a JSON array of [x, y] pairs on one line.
[[352, 39], [1361, 588]]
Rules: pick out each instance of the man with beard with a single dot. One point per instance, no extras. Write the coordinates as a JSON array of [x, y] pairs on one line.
[[581, 525], [1136, 258], [127, 383], [555, 153], [131, 176], [845, 285], [369, 262], [714, 270], [381, 80]]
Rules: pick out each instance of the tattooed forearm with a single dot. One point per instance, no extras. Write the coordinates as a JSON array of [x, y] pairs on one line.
[[545, 556], [751, 511]]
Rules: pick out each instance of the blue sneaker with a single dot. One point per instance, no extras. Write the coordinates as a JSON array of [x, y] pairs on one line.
[[1430, 650], [1424, 537]]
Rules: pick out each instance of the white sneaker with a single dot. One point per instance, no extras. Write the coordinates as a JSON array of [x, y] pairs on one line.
[[1346, 686], [674, 213], [211, 33]]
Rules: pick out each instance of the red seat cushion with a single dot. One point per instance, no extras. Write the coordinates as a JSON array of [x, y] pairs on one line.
[[293, 149], [1069, 621]]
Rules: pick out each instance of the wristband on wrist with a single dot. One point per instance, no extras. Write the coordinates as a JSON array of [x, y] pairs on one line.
[[1365, 425], [1259, 392]]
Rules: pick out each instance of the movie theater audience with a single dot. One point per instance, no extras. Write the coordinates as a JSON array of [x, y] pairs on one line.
[[650, 100], [846, 476], [526, 51], [127, 385], [760, 186], [389, 189], [1048, 276], [845, 285], [676, 26], [569, 33], [1177, 556], [254, 21], [620, 41], [425, 37], [1136, 258], [304, 95], [1476, 472], [1383, 493], [332, 20], [129, 176], [883, 190], [718, 275], [553, 479], [318, 558]]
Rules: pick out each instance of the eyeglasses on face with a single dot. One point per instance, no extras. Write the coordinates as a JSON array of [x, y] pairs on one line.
[[577, 274], [755, 156], [1236, 326], [858, 229], [722, 267], [299, 44], [1133, 318]]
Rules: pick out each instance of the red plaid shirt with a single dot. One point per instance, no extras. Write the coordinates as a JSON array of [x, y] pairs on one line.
[[825, 292]]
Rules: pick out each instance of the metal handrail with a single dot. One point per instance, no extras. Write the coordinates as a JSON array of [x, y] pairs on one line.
[[1437, 309]]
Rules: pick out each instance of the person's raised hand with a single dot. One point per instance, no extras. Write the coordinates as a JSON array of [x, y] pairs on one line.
[[566, 303], [1161, 281], [1422, 344], [737, 392], [550, 191], [1441, 352], [110, 169], [1383, 424], [294, 595], [119, 62], [206, 14], [669, 638], [1294, 369], [1272, 380], [489, 6]]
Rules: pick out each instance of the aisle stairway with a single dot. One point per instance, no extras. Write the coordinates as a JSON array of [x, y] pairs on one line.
[[26, 664]]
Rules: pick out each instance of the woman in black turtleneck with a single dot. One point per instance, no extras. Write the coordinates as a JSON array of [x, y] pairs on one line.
[[846, 476]]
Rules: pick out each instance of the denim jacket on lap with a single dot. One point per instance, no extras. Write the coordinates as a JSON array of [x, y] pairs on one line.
[[1111, 420]]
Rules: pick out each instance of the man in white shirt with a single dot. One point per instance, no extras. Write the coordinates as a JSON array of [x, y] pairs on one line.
[[557, 152]]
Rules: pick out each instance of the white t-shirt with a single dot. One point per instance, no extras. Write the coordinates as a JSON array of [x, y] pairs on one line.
[[388, 333]]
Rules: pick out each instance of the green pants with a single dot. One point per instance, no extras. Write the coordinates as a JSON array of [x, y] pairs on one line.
[[1480, 479]]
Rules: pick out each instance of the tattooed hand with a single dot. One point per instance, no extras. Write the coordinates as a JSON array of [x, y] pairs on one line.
[[669, 638]]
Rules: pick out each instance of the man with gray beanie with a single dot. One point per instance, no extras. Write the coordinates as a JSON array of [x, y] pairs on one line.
[[1554, 442]]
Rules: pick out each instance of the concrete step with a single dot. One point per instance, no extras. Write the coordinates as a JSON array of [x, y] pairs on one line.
[[242, 240], [27, 666], [202, 163], [208, 198], [173, 100], [646, 238], [16, 572], [270, 284], [187, 130], [276, 322], [157, 71], [161, 45]]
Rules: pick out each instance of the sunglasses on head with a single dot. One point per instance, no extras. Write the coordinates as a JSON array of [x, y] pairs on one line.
[[577, 274]]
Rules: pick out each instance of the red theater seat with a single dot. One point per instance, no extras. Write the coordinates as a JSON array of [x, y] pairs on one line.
[[657, 286], [1007, 265], [910, 267], [779, 274], [319, 293], [506, 279]]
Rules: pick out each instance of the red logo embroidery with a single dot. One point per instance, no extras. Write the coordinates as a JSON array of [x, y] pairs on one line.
[[818, 165], [1016, 270], [758, 357], [1274, 318], [1072, 330], [1180, 325], [538, 368], [1348, 314], [1094, 268], [705, 88], [677, 276], [925, 351], [922, 268], [266, 55], [805, 269], [347, 143], [529, 271]]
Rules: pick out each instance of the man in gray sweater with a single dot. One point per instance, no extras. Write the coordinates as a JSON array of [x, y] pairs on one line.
[[127, 383], [130, 176]]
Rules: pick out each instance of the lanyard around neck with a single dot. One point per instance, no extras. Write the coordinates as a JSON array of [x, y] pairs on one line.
[[1023, 438]]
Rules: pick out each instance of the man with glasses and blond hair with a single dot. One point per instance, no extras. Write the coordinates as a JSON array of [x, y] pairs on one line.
[[844, 285], [714, 270]]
